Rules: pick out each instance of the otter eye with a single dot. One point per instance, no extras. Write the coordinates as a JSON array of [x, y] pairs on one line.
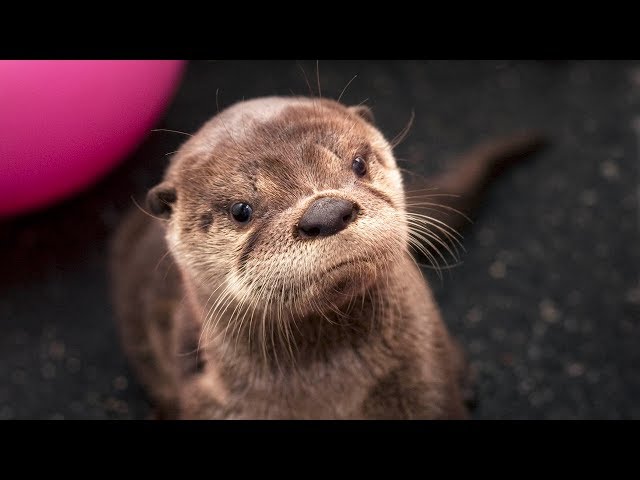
[[359, 166], [241, 212]]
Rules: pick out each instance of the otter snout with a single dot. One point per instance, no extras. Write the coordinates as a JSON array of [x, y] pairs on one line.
[[326, 216]]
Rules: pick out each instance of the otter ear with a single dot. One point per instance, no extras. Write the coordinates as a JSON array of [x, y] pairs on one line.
[[363, 112], [160, 199]]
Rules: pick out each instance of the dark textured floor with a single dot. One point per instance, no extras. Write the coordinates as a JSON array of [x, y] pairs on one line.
[[547, 300]]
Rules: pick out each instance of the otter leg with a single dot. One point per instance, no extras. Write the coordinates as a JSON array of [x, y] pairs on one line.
[[148, 341], [145, 302]]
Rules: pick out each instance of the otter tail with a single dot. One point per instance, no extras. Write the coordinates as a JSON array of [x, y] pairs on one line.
[[451, 198]]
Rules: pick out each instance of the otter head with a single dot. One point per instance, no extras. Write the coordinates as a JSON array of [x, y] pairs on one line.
[[291, 205]]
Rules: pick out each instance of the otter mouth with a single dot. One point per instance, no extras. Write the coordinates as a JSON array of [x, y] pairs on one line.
[[348, 277], [345, 264]]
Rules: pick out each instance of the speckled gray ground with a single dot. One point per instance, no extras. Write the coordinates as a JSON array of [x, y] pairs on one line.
[[547, 300]]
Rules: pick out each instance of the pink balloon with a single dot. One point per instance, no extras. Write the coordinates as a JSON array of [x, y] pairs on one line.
[[66, 123]]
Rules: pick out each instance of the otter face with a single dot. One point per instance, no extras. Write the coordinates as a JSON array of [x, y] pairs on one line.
[[284, 203]]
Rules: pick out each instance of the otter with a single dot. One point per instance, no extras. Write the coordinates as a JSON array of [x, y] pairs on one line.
[[273, 275]]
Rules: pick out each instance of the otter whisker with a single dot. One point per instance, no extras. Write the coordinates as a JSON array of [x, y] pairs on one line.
[[238, 322], [258, 298], [423, 222], [161, 259], [442, 224], [420, 193], [205, 329], [282, 324], [397, 140], [422, 249], [347, 86], [423, 226], [422, 232], [311, 92], [211, 321], [416, 229], [442, 267], [318, 78], [171, 131], [436, 206], [145, 212]]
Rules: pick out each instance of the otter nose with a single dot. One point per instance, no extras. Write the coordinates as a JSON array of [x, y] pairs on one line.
[[326, 216]]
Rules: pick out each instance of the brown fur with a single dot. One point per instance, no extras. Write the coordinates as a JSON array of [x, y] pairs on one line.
[[222, 320]]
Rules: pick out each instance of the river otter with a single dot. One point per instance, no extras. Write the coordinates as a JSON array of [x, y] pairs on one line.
[[273, 275]]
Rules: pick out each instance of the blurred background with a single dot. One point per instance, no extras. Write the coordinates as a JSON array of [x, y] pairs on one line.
[[546, 300]]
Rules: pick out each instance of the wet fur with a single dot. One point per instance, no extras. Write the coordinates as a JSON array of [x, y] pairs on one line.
[[224, 321]]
